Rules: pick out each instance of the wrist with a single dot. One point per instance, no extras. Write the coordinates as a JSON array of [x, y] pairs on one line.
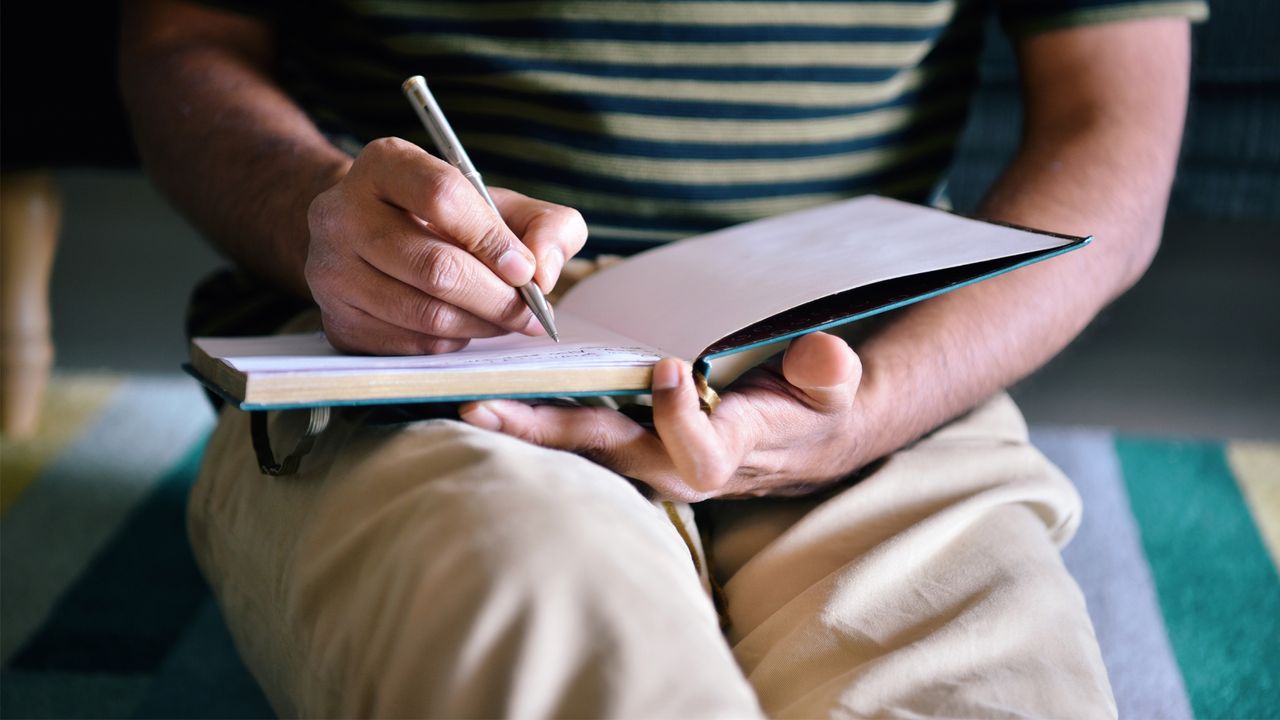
[[876, 414], [295, 241]]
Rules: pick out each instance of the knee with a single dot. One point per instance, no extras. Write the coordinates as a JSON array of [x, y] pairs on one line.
[[435, 503], [471, 479], [450, 541], [503, 503]]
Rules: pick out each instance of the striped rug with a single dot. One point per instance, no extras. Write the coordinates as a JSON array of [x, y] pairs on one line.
[[104, 615]]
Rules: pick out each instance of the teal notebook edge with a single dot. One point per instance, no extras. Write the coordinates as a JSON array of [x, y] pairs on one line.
[[703, 364]]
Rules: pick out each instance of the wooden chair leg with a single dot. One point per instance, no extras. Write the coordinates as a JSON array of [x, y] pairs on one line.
[[30, 216]]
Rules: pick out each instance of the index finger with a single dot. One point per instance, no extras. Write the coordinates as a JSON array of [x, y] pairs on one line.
[[412, 179], [699, 453]]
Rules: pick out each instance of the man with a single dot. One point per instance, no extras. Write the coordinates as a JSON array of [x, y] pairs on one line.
[[900, 555]]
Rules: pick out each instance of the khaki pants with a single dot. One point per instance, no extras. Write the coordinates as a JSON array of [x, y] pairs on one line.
[[433, 569]]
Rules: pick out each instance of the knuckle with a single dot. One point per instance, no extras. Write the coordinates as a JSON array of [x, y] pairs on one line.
[[597, 439], [322, 212], [316, 278], [445, 190], [320, 272], [435, 318], [385, 146], [439, 269], [596, 442], [493, 240]]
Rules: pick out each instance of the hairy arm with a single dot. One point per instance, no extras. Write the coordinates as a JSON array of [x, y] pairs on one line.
[[1104, 108], [399, 252], [219, 138]]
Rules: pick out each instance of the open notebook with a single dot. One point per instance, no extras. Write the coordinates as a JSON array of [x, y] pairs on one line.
[[697, 299]]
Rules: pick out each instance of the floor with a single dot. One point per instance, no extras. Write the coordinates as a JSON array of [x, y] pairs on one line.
[[1193, 350]]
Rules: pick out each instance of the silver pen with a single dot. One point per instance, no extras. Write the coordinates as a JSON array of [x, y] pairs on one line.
[[446, 142]]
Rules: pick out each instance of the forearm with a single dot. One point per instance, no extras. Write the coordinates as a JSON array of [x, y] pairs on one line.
[[217, 135], [1101, 168], [247, 166]]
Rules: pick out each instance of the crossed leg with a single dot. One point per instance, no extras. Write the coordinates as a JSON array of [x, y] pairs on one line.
[[434, 569], [933, 587]]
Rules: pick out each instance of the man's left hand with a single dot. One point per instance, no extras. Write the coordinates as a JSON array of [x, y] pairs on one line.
[[780, 429]]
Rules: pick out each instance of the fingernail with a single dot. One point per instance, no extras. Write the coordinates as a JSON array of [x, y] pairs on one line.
[[480, 416], [666, 375], [552, 265], [515, 268]]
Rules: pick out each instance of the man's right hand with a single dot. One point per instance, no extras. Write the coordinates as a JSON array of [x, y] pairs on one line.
[[406, 258]]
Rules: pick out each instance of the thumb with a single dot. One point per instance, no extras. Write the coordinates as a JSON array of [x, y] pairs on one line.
[[554, 233], [824, 368]]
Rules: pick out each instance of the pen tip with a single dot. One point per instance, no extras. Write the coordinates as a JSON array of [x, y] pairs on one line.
[[555, 336]]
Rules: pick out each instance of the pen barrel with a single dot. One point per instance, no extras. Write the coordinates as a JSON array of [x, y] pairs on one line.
[[477, 182], [438, 128], [448, 145], [537, 302]]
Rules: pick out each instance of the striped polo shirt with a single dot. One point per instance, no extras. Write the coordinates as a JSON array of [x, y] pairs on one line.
[[660, 119]]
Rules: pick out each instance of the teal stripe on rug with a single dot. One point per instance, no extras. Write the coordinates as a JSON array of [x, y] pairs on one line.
[[203, 677], [70, 695], [134, 601], [82, 498], [1217, 587], [1107, 560]]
